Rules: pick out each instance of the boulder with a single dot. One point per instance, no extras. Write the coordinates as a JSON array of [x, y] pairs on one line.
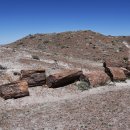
[[115, 73], [34, 77], [109, 63], [128, 65], [127, 72], [14, 90], [97, 78], [63, 78]]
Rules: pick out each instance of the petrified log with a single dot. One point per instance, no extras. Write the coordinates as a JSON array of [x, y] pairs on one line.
[[128, 65], [34, 77], [127, 72], [97, 78], [115, 73], [63, 78], [14, 90], [109, 63]]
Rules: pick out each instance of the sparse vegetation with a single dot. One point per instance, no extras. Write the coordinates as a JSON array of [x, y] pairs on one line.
[[40, 39], [76, 42], [35, 57], [31, 36], [3, 67], [16, 73], [94, 46], [83, 85], [46, 41], [41, 46], [64, 46], [20, 43], [120, 48], [125, 59]]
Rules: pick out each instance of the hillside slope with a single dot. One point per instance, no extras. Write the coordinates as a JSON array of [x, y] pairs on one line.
[[81, 44]]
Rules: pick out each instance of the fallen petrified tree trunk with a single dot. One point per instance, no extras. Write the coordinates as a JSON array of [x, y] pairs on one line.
[[63, 78], [34, 77], [115, 73], [14, 90], [96, 78], [109, 63], [127, 72], [128, 65]]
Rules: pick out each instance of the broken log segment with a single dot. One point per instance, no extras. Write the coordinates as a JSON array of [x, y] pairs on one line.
[[127, 72], [109, 63], [63, 78], [14, 90], [115, 73], [128, 65], [34, 77], [97, 78]]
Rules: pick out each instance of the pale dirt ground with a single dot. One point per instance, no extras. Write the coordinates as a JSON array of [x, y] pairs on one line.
[[66, 108], [102, 108]]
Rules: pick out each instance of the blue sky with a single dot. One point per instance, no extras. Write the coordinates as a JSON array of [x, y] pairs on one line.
[[19, 18]]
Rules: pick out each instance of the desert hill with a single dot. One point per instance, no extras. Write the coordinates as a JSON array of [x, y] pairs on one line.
[[81, 44]]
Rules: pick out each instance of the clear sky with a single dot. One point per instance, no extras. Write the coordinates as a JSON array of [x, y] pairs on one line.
[[19, 18]]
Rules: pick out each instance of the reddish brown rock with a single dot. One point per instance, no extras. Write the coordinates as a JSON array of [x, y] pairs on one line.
[[97, 78], [34, 77], [128, 65], [127, 72], [115, 73], [14, 90], [109, 63], [63, 78]]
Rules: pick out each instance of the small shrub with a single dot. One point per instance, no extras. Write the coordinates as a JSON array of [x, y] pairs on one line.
[[69, 37], [55, 53], [125, 59], [64, 46], [31, 36], [41, 46], [120, 48], [40, 39], [13, 50], [16, 73], [58, 34], [94, 46], [20, 43], [35, 57], [46, 41], [2, 67], [82, 85], [113, 44]]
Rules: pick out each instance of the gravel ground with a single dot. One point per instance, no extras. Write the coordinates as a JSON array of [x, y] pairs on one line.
[[102, 108]]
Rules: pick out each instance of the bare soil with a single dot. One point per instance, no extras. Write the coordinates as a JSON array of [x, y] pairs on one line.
[[103, 108]]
